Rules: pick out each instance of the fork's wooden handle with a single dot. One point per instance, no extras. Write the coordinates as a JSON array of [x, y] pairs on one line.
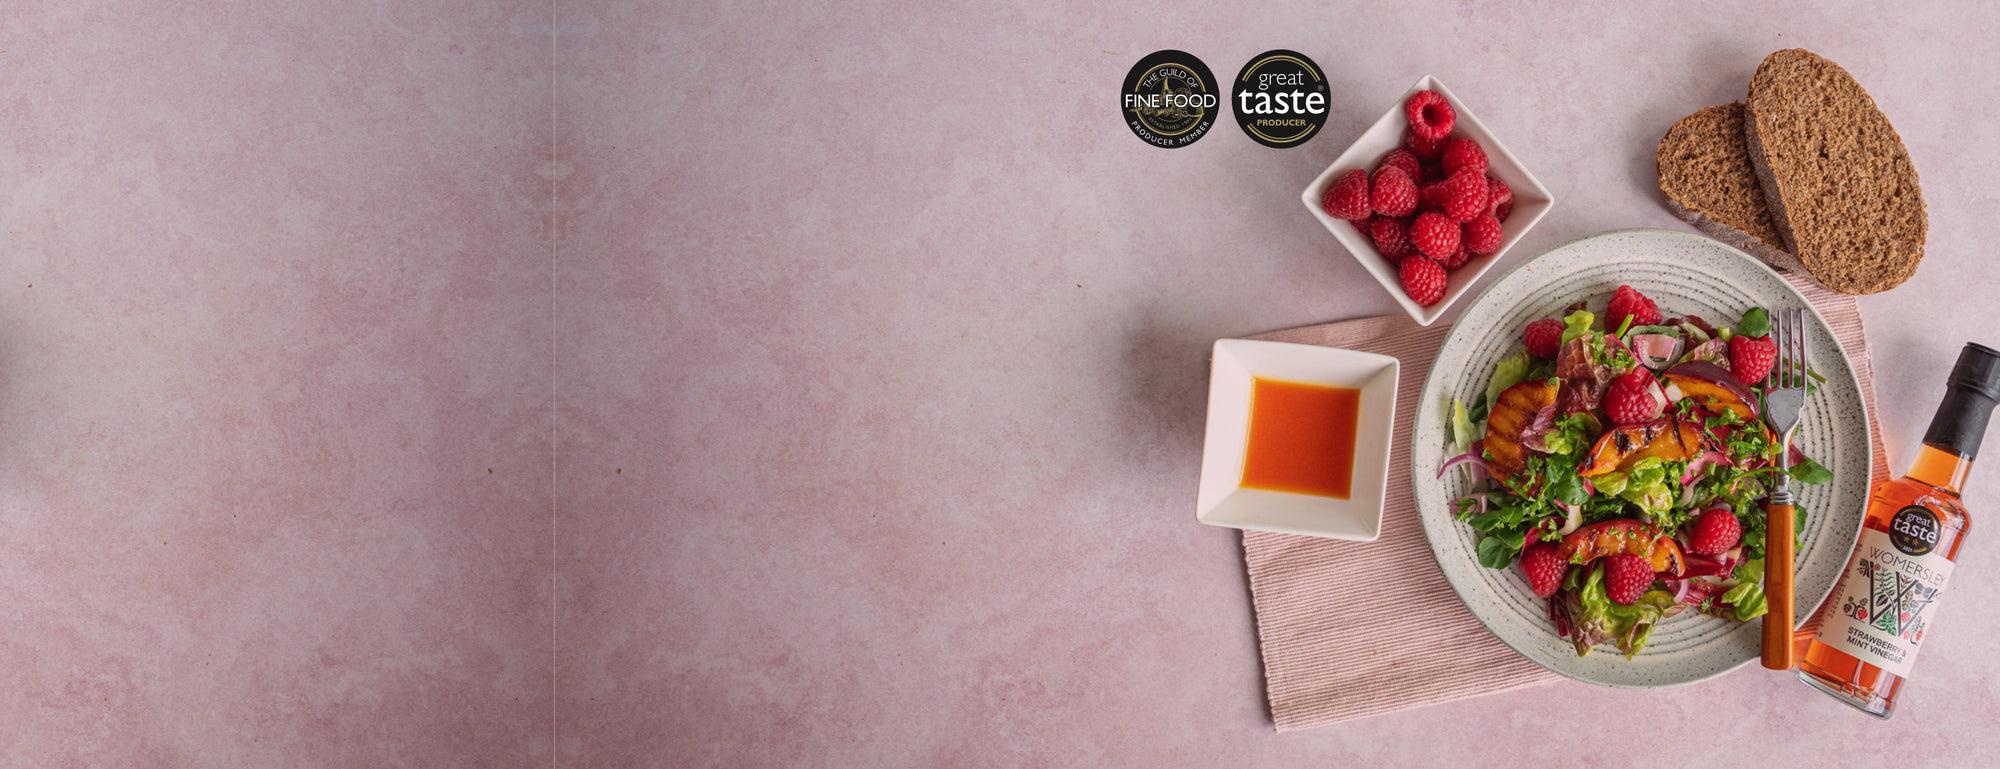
[[1778, 623]]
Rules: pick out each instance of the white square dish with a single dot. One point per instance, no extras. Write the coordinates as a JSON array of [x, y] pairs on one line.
[[1531, 199], [1223, 501]]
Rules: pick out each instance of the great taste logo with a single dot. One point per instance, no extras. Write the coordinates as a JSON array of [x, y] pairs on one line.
[[1280, 98], [1170, 99], [1914, 530]]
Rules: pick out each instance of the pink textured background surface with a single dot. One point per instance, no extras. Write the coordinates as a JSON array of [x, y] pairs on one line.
[[899, 340], [878, 387], [274, 300]]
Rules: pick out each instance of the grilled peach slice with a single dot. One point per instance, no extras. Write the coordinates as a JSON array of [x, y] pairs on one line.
[[1712, 387], [1620, 447], [1509, 417], [1624, 535]]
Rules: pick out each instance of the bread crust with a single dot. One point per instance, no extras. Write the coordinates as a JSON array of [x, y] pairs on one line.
[[1773, 198], [1771, 254], [1704, 173]]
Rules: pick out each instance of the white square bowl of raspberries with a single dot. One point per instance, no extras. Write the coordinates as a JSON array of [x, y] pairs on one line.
[[1427, 200]]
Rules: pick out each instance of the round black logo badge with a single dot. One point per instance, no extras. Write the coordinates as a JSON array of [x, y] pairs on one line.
[[1914, 530], [1280, 98], [1170, 99]]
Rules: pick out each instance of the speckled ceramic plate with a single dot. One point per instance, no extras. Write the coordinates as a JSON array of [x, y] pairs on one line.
[[1684, 274]]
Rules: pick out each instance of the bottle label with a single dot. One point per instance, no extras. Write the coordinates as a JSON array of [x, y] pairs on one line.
[[1882, 606]]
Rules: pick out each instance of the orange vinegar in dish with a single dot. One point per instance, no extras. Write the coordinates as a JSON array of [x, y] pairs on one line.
[[1301, 438]]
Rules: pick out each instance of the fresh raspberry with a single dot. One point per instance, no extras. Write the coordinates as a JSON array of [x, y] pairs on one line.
[[1715, 532], [1424, 147], [1435, 235], [1543, 338], [1626, 577], [1464, 195], [1752, 357], [1347, 197], [1483, 234], [1393, 193], [1460, 152], [1392, 238], [1458, 258], [1404, 159], [1635, 398], [1544, 568], [1430, 115], [1500, 198], [1628, 301], [1423, 280], [1430, 197]]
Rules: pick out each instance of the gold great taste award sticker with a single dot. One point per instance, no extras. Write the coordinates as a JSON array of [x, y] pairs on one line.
[[1170, 99], [1280, 98]]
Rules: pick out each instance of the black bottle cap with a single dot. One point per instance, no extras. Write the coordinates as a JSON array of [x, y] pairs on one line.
[[1978, 368], [1970, 394]]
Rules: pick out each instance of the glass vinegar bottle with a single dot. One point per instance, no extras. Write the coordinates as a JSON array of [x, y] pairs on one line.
[[1883, 604]]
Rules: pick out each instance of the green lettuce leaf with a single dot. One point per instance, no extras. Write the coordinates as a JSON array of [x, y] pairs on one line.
[[1498, 551], [1571, 434], [1646, 486], [1747, 597], [1595, 619], [1752, 605], [1811, 472], [1755, 322], [1463, 433], [1577, 324], [1478, 410], [1507, 373], [1611, 484]]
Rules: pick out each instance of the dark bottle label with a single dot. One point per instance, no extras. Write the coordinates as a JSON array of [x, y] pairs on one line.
[[1914, 530]]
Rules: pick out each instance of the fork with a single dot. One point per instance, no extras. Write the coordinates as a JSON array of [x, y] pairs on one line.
[[1784, 399]]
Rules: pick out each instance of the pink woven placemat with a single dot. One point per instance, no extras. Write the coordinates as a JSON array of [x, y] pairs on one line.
[[1330, 653]]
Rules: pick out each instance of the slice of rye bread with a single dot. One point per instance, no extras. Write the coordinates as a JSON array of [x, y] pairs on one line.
[[1705, 173], [1839, 181]]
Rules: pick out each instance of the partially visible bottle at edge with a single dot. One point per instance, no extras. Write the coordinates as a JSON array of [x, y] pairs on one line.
[[1883, 605]]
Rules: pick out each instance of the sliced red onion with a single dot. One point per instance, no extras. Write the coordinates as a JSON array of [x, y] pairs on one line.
[[1701, 463], [1575, 519], [1698, 565], [1717, 566], [1701, 589], [1655, 351], [1480, 471], [1480, 496], [1732, 557], [1680, 587], [1694, 332]]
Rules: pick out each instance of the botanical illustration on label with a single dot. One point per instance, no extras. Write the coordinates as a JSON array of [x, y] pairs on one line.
[[1884, 602]]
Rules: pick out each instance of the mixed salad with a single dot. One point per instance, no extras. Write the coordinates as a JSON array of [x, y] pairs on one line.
[[1621, 464]]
